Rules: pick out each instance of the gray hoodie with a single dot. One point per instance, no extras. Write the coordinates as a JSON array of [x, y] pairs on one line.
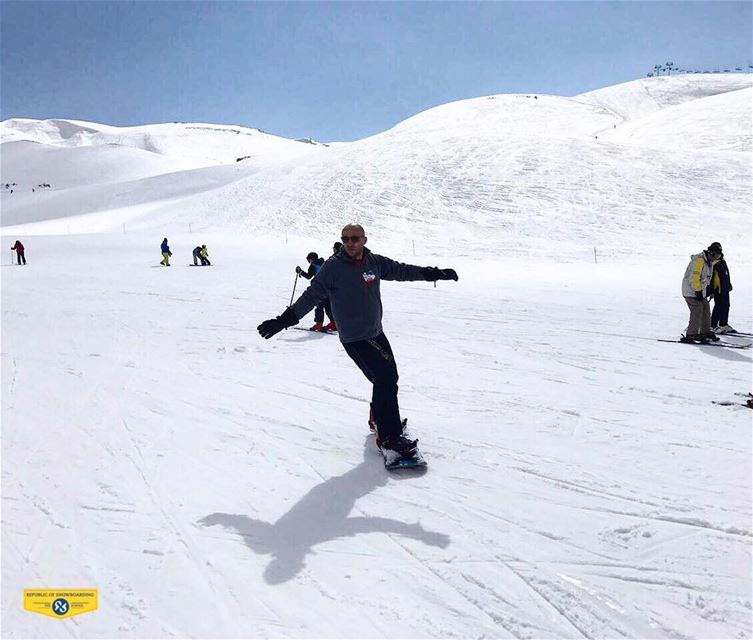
[[353, 292]]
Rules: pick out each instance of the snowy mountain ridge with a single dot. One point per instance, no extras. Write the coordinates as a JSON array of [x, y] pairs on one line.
[[620, 168]]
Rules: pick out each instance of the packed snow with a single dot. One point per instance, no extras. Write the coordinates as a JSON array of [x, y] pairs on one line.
[[585, 480]]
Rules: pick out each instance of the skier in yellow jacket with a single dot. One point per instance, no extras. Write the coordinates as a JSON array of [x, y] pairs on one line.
[[695, 290]]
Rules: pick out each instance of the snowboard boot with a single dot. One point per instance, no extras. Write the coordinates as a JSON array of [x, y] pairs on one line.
[[331, 326], [375, 429], [400, 447], [710, 335], [317, 327]]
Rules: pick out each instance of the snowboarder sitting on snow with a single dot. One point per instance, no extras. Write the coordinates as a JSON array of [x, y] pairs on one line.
[[694, 289], [721, 285], [315, 264], [201, 253], [19, 249], [351, 279], [166, 253]]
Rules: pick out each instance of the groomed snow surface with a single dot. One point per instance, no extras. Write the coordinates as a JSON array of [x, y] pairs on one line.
[[584, 479], [582, 482]]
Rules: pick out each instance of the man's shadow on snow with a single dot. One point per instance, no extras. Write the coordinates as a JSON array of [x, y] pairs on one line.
[[322, 514]]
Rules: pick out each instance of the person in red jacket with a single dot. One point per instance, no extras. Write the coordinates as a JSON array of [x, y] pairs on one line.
[[19, 249]]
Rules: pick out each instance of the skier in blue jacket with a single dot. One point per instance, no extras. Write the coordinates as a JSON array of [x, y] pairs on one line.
[[166, 253], [351, 280]]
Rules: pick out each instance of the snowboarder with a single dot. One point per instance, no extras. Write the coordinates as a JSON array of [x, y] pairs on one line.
[[351, 279], [322, 307], [201, 253], [721, 285], [19, 249], [166, 253], [695, 285]]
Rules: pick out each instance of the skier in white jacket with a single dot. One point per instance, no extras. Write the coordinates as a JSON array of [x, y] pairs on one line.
[[695, 290]]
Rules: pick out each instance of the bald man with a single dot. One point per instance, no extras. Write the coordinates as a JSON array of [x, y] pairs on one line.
[[351, 280]]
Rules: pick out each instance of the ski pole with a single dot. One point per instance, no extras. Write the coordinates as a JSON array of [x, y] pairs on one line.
[[295, 284]]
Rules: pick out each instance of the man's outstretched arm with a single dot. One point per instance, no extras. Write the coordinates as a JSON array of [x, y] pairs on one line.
[[393, 270], [314, 294]]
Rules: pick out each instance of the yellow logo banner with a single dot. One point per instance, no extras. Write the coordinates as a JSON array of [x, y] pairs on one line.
[[60, 603]]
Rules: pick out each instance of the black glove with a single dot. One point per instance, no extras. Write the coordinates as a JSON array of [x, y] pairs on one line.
[[298, 270], [699, 295], [268, 328], [434, 273]]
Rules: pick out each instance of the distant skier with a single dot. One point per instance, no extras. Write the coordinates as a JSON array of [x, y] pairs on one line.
[[166, 253], [695, 285], [721, 285], [351, 279], [322, 307], [201, 253], [19, 249]]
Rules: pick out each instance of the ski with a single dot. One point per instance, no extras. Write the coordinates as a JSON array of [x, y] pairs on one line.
[[729, 403], [728, 345], [327, 331], [733, 345]]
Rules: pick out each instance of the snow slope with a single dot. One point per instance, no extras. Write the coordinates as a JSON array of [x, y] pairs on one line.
[[500, 173], [639, 98], [31, 164], [74, 147], [717, 123], [582, 482]]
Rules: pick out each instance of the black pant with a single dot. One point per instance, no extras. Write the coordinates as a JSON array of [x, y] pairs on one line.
[[374, 357], [205, 262], [720, 314], [20, 256], [321, 308]]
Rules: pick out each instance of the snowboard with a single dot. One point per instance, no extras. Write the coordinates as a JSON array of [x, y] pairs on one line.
[[392, 461]]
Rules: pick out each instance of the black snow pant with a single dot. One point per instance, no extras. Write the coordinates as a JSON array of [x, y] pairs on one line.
[[374, 357], [20, 256], [320, 310], [720, 314], [205, 261]]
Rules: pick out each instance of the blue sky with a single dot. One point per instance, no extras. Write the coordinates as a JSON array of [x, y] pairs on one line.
[[337, 70]]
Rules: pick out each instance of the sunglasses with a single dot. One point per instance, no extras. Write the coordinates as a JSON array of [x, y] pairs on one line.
[[352, 239]]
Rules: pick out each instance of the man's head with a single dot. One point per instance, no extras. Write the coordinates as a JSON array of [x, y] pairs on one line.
[[312, 257], [336, 247], [354, 238]]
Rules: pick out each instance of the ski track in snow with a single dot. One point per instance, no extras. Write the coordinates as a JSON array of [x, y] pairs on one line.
[[582, 484]]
